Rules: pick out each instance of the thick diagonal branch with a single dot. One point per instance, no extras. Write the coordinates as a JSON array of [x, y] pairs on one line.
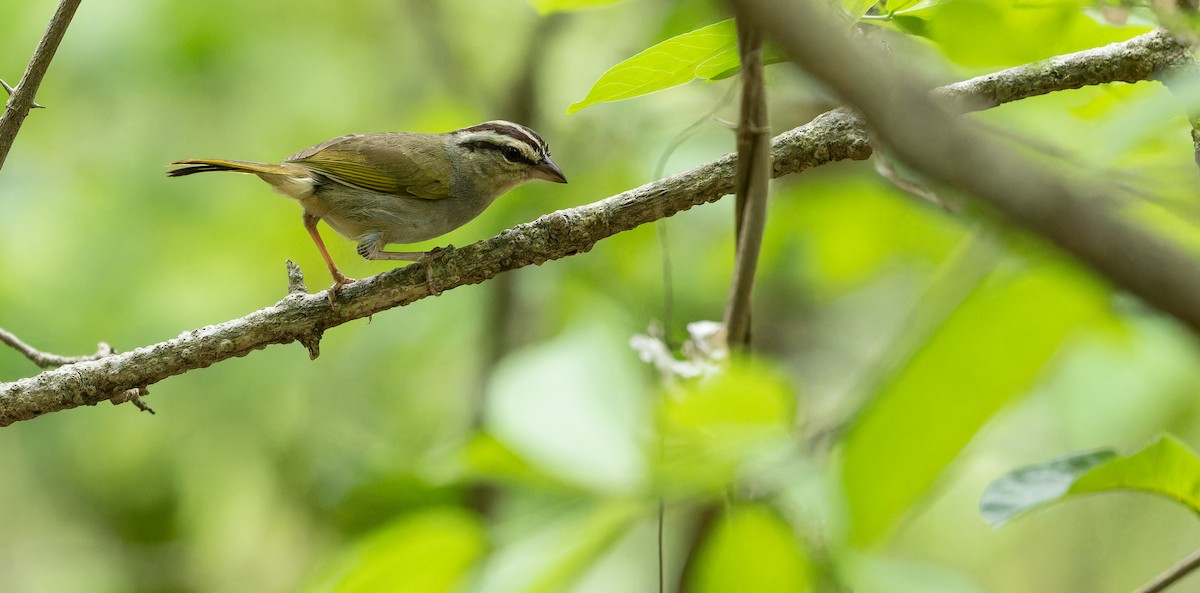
[[22, 99], [833, 136]]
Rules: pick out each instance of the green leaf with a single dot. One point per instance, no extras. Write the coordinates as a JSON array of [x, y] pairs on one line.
[[752, 549], [549, 6], [704, 53], [1030, 486], [913, 25], [898, 5], [430, 552], [990, 351], [487, 458], [1166, 467]]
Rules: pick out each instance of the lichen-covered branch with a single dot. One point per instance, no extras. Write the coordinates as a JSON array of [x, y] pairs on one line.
[[832, 136], [1156, 55]]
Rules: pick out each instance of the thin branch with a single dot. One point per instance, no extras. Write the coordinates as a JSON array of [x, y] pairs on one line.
[[1166, 579], [832, 136], [753, 175], [1076, 213], [45, 359], [22, 99]]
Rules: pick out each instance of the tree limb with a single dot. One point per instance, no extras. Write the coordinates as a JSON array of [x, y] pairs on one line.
[[22, 99], [832, 136]]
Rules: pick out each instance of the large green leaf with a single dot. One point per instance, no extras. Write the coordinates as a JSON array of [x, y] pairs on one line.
[[752, 549], [548, 6], [705, 53], [1166, 467], [990, 351]]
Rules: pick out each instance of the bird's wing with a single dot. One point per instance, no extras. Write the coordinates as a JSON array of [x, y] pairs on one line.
[[408, 165]]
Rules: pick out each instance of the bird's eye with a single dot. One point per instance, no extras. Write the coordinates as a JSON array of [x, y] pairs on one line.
[[510, 153]]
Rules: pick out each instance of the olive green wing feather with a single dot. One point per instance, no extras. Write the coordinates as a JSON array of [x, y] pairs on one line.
[[408, 165]]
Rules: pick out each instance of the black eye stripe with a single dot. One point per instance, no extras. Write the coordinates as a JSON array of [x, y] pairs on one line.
[[510, 153]]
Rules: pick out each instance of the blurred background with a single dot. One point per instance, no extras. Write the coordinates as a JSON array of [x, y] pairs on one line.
[[505, 437]]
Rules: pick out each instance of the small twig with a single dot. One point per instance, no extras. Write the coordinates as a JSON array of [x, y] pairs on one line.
[[295, 279], [133, 396], [46, 360], [1170, 577], [296, 289], [750, 184], [22, 99]]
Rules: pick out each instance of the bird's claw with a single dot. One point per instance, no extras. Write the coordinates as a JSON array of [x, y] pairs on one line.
[[338, 283], [427, 261]]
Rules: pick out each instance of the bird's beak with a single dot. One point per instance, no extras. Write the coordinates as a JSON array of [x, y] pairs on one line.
[[549, 171]]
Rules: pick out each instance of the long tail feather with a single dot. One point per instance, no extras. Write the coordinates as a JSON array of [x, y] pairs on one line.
[[206, 165]]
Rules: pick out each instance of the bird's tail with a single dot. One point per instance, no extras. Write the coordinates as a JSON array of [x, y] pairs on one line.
[[206, 165]]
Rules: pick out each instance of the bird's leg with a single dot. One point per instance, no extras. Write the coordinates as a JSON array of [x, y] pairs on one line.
[[372, 250], [339, 279]]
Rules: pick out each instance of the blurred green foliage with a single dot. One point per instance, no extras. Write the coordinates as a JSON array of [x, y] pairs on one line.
[[907, 356]]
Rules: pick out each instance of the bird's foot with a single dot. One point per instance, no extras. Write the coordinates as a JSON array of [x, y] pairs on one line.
[[338, 282], [427, 261]]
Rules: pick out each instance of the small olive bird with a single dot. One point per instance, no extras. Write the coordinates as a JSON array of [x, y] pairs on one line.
[[398, 187]]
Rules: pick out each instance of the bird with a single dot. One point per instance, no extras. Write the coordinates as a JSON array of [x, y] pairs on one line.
[[398, 187]]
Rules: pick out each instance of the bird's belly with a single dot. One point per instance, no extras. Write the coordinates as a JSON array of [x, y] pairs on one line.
[[358, 215]]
